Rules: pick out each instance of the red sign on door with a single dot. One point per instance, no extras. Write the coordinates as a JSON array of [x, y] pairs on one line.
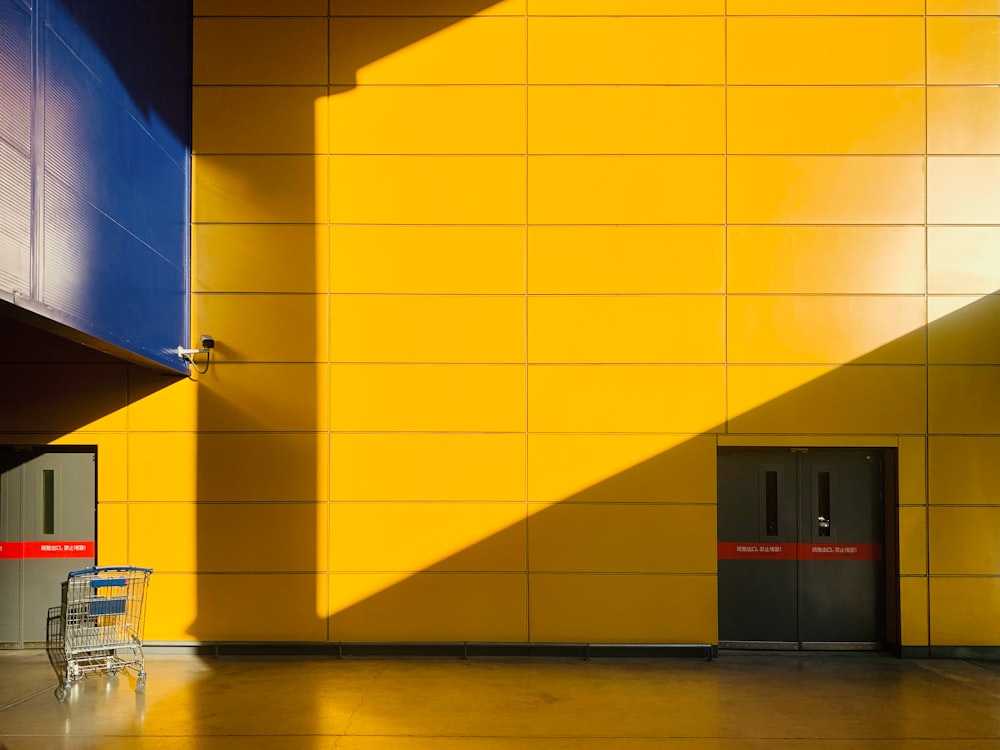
[[840, 551], [801, 551], [756, 551], [45, 550]]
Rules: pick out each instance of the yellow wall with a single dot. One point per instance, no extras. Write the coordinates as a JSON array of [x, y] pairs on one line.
[[492, 281]]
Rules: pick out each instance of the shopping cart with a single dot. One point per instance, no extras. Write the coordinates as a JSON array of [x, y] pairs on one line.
[[101, 629]]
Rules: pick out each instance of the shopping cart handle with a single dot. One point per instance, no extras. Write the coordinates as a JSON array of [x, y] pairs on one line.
[[107, 568]]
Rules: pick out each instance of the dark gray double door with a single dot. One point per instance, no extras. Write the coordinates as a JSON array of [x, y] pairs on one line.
[[800, 548]]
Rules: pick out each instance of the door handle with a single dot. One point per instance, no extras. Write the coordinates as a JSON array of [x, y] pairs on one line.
[[824, 526]]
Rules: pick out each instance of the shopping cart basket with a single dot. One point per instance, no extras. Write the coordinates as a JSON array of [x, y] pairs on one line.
[[102, 618]]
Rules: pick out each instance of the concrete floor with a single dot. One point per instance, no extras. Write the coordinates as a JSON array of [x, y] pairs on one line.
[[739, 702]]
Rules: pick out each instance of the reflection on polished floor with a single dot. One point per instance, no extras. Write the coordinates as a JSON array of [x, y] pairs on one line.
[[741, 701]]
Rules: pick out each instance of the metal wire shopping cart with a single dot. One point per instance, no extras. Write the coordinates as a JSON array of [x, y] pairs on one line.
[[102, 618]]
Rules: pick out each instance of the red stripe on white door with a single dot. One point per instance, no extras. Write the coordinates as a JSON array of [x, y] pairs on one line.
[[45, 550]]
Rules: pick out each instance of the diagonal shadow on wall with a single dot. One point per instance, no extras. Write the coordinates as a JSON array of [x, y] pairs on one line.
[[51, 386], [263, 401], [887, 390], [595, 565]]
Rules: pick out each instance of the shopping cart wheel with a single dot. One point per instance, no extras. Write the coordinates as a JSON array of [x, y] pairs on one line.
[[61, 693], [140, 683]]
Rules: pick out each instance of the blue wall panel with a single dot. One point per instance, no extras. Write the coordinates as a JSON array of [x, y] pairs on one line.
[[15, 148], [93, 289], [110, 114], [98, 149]]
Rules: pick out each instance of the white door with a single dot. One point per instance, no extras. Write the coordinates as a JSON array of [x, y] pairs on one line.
[[47, 528]]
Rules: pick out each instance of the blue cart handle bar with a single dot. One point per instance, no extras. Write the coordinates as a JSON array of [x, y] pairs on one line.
[[117, 568]]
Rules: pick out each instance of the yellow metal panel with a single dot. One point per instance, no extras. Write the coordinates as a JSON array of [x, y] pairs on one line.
[[228, 608], [376, 467], [260, 51], [438, 606], [964, 470], [626, 120], [912, 471], [626, 7], [458, 398], [963, 260], [223, 458], [626, 189], [262, 397], [964, 541], [962, 400], [826, 189], [825, 260], [625, 398], [439, 120], [259, 189], [427, 260], [873, 50], [622, 468], [259, 258], [426, 7], [963, 190], [849, 399], [826, 329], [230, 538], [264, 327], [171, 614], [963, 50], [427, 189], [427, 50], [618, 50], [913, 541], [958, 611], [111, 468], [164, 466], [570, 608], [958, 7], [825, 120], [825, 7], [963, 119], [625, 260], [425, 328], [427, 537], [155, 405], [617, 329], [186, 466], [260, 8], [963, 330], [259, 119], [112, 532], [913, 611], [58, 397], [622, 538]]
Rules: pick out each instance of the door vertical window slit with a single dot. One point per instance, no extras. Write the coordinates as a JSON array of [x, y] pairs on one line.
[[48, 502], [823, 503], [771, 503]]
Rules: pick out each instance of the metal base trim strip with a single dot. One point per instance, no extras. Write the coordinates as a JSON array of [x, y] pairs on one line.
[[802, 646], [461, 650]]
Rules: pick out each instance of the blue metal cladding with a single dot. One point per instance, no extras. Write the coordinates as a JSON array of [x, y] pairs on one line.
[[111, 166], [15, 147]]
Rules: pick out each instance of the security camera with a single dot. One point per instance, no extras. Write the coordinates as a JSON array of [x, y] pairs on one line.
[[188, 355]]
